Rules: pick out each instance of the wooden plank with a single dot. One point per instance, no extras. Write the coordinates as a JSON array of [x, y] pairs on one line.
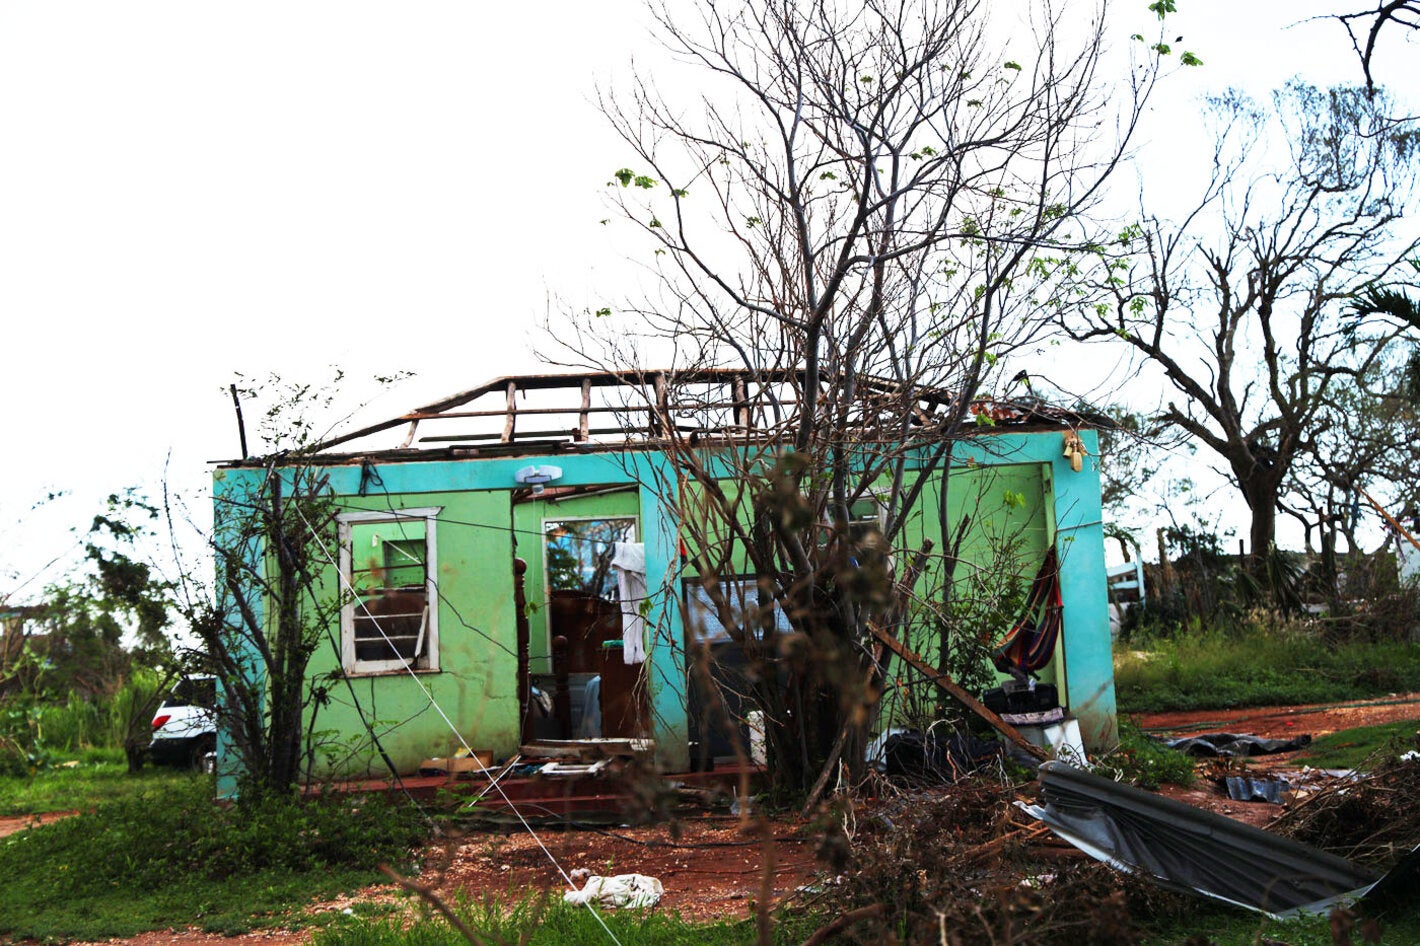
[[961, 696], [582, 423], [512, 420], [741, 400]]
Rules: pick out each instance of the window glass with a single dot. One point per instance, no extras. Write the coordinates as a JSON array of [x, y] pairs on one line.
[[742, 596], [388, 619]]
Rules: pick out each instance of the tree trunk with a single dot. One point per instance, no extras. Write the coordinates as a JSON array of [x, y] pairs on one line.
[[1262, 532]]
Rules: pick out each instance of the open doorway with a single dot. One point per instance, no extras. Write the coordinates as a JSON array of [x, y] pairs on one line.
[[590, 677]]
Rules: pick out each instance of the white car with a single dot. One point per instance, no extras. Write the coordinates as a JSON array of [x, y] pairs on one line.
[[185, 726]]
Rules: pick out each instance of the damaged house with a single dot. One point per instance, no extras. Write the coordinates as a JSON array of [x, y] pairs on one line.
[[515, 563]]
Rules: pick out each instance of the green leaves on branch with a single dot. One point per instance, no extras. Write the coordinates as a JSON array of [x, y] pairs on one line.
[[626, 177]]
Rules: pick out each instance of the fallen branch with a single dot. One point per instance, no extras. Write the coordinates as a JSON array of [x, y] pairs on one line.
[[839, 924], [956, 692]]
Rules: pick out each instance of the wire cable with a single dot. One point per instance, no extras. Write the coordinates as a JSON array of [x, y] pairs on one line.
[[429, 696]]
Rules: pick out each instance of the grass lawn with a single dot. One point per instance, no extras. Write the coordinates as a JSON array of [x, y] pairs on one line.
[[79, 781], [1351, 748], [165, 855], [1225, 927], [1257, 666], [554, 923]]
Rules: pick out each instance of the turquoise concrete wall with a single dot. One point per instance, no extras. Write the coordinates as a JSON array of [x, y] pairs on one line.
[[1088, 648], [229, 488], [478, 533]]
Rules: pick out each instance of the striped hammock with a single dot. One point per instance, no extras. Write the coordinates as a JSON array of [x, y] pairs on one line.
[[1029, 645]]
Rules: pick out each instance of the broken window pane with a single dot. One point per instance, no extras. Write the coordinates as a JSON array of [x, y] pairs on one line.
[[389, 616]]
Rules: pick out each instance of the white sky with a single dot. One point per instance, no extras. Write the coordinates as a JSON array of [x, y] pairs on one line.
[[189, 189]]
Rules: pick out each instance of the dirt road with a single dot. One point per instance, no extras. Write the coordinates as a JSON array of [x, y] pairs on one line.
[[1284, 722]]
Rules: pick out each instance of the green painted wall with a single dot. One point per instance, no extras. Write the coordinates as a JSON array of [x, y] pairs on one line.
[[476, 685], [477, 530]]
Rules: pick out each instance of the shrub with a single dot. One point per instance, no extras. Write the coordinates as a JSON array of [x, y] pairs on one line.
[[179, 833]]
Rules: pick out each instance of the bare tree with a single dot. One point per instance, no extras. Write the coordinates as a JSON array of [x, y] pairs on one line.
[[266, 612], [1364, 28], [1243, 307], [862, 214]]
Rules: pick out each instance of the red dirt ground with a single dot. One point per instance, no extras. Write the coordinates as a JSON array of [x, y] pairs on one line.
[[11, 824], [1284, 722], [711, 870], [710, 866]]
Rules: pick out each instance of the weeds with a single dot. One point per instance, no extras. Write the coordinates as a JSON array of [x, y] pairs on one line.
[[537, 921], [1258, 662], [171, 856], [1142, 761]]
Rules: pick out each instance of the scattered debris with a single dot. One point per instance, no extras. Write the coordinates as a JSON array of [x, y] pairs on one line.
[[624, 890], [462, 762], [556, 769], [1213, 744], [936, 757], [1276, 791], [966, 860], [1366, 816], [1190, 849]]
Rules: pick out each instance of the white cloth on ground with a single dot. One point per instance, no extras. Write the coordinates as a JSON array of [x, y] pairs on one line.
[[623, 890]]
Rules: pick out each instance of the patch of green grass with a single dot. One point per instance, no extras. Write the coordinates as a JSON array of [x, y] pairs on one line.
[[169, 856], [553, 923], [79, 781], [1257, 664], [1142, 761], [1225, 927], [1350, 748]]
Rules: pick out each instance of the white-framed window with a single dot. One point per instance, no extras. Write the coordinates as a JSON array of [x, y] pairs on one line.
[[388, 565]]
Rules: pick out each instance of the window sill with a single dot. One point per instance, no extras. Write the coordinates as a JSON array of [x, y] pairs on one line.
[[392, 672]]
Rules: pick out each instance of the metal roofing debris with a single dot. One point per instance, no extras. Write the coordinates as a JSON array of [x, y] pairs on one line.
[[1190, 849], [1242, 788], [1235, 744]]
